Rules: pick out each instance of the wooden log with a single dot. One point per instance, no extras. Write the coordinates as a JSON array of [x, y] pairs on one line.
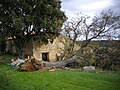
[[60, 64]]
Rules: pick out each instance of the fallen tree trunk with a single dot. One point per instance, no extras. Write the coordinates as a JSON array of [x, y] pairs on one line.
[[61, 64]]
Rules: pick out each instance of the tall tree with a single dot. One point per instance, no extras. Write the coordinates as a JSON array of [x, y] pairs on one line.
[[105, 25], [24, 19]]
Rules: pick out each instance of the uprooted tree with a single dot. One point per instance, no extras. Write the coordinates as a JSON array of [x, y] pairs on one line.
[[104, 25], [22, 20]]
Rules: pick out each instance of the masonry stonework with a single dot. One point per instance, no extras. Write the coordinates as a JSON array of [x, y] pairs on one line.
[[51, 51]]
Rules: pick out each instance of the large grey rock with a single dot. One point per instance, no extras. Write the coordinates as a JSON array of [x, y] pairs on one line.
[[89, 68]]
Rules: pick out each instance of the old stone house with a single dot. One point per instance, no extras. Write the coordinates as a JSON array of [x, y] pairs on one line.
[[49, 52], [10, 47]]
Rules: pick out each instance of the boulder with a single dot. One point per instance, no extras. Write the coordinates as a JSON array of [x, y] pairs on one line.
[[89, 68]]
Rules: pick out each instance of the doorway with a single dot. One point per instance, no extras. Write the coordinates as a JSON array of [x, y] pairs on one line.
[[45, 56]]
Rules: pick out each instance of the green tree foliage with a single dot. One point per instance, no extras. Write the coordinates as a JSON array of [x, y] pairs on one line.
[[87, 57], [24, 19], [108, 55]]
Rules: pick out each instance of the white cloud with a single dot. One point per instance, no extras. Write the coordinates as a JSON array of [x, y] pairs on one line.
[[100, 4], [89, 7]]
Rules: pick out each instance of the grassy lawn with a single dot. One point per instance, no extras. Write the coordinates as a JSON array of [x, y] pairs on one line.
[[58, 80]]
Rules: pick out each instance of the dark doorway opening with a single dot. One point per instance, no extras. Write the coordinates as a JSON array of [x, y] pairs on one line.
[[45, 56]]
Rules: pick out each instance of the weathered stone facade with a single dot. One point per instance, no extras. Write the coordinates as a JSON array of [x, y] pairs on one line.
[[10, 48], [46, 52], [49, 52]]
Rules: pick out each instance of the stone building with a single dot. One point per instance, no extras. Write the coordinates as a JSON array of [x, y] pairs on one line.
[[50, 52], [10, 47]]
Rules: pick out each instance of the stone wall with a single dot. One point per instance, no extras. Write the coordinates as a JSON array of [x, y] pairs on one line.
[[10, 48], [52, 49]]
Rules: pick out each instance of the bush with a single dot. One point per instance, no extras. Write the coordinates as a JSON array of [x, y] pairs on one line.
[[107, 59], [86, 58]]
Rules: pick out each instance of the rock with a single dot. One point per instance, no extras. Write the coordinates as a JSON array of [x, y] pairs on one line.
[[89, 68]]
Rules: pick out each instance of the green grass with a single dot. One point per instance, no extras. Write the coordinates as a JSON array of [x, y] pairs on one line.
[[10, 79], [58, 80], [6, 58]]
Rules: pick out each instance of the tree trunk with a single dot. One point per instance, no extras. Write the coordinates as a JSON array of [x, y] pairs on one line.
[[20, 48], [21, 53], [61, 64]]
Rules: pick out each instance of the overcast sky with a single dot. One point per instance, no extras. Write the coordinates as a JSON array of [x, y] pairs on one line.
[[88, 7]]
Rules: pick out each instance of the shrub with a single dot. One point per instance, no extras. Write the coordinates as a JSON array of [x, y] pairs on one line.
[[107, 59], [86, 58]]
